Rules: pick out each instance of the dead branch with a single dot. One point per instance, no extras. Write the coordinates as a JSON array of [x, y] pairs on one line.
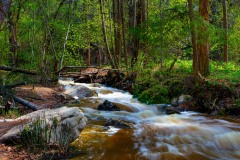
[[5, 68], [26, 103]]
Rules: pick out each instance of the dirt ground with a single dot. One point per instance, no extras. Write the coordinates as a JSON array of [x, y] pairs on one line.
[[44, 97]]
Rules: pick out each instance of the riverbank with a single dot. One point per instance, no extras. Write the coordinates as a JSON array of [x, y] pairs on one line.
[[45, 97], [218, 94], [212, 97]]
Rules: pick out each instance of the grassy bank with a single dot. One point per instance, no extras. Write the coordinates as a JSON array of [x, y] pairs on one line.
[[220, 92]]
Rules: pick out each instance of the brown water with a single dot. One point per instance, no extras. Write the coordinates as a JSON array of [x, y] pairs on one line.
[[189, 136]]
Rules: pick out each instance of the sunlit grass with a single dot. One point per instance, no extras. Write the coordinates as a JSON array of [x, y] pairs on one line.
[[218, 70], [227, 71]]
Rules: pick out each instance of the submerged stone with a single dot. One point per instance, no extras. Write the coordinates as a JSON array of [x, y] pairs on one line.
[[108, 106], [117, 123], [173, 110]]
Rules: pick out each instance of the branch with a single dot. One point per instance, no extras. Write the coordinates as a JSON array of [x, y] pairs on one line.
[[15, 85], [17, 70], [26, 103]]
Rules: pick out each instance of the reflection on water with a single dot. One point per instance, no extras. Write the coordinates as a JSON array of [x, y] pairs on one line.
[[188, 136]]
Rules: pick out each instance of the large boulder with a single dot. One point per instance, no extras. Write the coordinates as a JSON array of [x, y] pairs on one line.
[[80, 91], [108, 106], [64, 121]]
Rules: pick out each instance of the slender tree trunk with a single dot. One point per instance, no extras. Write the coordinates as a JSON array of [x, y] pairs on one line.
[[135, 14], [115, 28], [88, 55], [112, 30], [108, 53], [119, 33], [144, 28], [88, 58], [225, 26], [64, 46], [136, 41], [124, 39], [161, 34], [194, 38], [4, 9], [203, 38]]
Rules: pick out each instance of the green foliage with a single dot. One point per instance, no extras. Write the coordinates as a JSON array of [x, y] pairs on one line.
[[155, 94], [225, 71], [36, 138]]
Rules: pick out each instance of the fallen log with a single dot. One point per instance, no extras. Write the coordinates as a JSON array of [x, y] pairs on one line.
[[15, 85], [17, 70], [26, 103]]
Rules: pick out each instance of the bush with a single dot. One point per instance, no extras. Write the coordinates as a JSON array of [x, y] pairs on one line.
[[154, 95]]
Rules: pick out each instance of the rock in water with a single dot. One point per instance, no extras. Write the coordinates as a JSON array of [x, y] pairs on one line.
[[117, 123], [173, 110], [108, 106], [80, 91], [61, 121]]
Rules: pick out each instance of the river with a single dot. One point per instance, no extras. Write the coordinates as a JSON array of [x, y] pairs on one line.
[[154, 135]]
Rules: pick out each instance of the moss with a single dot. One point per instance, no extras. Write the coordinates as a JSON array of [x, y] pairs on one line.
[[175, 88], [154, 95]]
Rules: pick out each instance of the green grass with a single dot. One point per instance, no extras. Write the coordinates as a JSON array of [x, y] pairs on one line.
[[155, 85], [218, 70], [225, 71]]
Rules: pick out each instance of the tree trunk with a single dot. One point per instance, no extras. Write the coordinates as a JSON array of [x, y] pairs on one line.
[[161, 34], [225, 26], [203, 38], [88, 55], [124, 39], [136, 41], [26, 103], [4, 9], [119, 33], [18, 70], [108, 53], [194, 38]]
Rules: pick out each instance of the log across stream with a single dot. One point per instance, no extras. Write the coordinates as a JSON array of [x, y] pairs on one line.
[[154, 135]]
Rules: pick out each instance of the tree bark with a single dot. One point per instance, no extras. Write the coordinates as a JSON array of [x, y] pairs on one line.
[[108, 53], [119, 32], [225, 27], [203, 38], [15, 85], [17, 70], [115, 29], [4, 9], [123, 35], [193, 38]]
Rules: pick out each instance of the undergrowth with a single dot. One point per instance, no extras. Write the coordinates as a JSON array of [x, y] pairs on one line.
[[45, 139], [156, 85]]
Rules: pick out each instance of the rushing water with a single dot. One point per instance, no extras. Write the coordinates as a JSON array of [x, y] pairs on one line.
[[188, 136]]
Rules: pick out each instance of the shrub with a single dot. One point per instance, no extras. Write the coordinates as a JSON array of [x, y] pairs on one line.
[[154, 95]]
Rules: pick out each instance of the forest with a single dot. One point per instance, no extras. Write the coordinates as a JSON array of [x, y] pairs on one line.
[[153, 59]]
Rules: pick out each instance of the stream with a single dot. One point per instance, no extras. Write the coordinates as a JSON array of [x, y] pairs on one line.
[[154, 135]]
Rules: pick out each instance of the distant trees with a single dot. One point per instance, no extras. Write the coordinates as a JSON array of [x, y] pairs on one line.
[[127, 34]]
